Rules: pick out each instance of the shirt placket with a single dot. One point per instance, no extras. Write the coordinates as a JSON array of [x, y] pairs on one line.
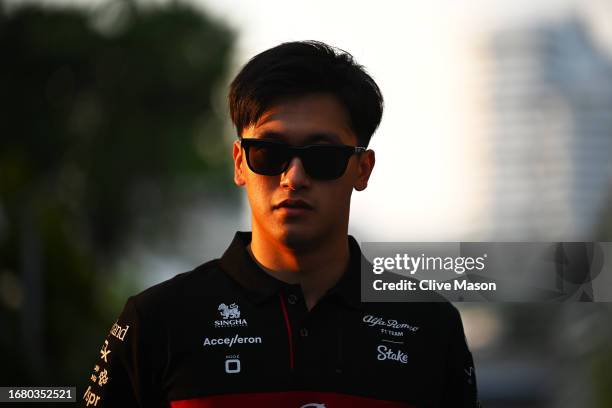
[[298, 329]]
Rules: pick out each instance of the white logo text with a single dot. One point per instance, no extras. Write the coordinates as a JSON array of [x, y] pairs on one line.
[[385, 353], [394, 324], [230, 341]]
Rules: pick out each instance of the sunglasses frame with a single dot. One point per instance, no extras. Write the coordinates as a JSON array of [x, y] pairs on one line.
[[296, 151]]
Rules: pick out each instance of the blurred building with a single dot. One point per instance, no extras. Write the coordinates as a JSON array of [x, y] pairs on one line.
[[549, 103], [548, 136]]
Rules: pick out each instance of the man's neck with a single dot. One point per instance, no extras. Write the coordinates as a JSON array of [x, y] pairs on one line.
[[316, 268]]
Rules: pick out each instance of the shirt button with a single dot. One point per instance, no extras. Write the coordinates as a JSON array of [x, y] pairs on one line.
[[303, 332], [292, 299]]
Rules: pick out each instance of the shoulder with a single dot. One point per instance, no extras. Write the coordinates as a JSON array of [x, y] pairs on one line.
[[442, 313], [198, 283]]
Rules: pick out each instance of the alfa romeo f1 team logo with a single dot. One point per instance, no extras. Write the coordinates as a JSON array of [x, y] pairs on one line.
[[230, 316]]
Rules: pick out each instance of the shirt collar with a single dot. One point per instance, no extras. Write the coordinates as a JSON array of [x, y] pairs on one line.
[[259, 285]]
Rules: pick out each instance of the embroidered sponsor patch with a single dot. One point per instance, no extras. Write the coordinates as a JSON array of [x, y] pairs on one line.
[[119, 331], [230, 341], [391, 323], [230, 316], [386, 353]]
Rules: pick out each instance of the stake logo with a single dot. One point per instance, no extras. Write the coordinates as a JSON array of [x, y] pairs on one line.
[[386, 353]]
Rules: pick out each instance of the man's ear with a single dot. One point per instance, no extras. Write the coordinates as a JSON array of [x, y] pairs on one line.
[[365, 167], [238, 164]]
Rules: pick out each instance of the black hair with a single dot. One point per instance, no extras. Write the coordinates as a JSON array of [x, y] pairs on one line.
[[295, 69]]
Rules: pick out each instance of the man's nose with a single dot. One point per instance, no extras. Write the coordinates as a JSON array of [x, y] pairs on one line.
[[295, 176]]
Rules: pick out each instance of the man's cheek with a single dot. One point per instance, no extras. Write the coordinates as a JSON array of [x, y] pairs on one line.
[[337, 203]]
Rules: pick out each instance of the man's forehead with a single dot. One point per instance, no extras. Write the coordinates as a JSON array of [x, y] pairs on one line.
[[300, 138], [315, 118]]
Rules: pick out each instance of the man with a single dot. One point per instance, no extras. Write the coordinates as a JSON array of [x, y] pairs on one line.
[[278, 321]]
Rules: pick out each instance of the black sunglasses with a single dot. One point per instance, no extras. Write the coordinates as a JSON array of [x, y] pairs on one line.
[[320, 161]]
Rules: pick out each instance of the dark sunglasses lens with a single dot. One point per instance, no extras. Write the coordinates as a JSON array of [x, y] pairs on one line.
[[326, 162], [268, 159]]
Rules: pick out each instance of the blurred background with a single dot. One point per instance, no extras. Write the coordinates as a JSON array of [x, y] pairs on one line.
[[115, 162]]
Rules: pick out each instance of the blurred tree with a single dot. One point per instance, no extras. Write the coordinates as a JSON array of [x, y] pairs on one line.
[[106, 117]]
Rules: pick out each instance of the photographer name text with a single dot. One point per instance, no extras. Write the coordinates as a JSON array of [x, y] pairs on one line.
[[434, 285], [430, 264]]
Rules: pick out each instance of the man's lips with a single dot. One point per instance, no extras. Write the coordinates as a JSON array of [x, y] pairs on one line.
[[294, 204]]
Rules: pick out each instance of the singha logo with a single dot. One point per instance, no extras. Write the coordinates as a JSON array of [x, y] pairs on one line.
[[229, 312], [230, 315]]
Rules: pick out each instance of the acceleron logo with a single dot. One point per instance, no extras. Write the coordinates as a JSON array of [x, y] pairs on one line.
[[230, 341]]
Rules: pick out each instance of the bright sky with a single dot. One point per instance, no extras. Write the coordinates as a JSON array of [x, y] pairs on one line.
[[429, 182], [429, 177]]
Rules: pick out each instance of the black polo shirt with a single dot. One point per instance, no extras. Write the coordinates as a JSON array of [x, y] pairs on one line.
[[227, 334]]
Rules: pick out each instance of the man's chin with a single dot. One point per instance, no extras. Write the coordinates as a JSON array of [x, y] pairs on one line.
[[299, 238]]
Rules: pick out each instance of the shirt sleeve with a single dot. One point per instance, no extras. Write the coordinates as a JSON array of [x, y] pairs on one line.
[[124, 373], [460, 389]]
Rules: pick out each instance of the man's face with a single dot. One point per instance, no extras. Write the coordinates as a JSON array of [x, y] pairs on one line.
[[312, 119]]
